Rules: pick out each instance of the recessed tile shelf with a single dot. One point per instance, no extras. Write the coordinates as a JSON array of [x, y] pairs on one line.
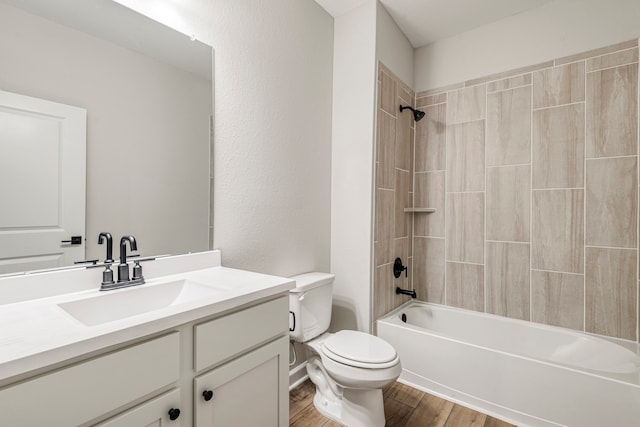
[[419, 210]]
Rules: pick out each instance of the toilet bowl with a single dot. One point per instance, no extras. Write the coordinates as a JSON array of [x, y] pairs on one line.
[[348, 368]]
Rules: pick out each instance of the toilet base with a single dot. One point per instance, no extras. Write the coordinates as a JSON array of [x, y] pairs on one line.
[[357, 408], [347, 406]]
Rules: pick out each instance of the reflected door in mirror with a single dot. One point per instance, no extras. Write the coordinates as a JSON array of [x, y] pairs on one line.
[[42, 183]]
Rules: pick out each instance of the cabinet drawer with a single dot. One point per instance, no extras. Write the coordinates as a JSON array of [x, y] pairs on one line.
[[222, 338], [82, 392], [152, 413]]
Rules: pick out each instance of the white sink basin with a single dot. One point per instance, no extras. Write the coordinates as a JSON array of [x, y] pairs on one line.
[[120, 304]]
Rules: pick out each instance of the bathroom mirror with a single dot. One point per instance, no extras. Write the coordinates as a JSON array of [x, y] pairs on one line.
[[147, 92]]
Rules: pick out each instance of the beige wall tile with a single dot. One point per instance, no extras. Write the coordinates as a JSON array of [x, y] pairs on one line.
[[465, 227], [507, 284], [615, 59], [557, 299], [404, 95], [510, 73], [465, 156], [612, 112], [612, 202], [558, 85], [431, 100], [431, 133], [401, 250], [388, 94], [466, 105], [402, 200], [412, 151], [439, 90], [386, 151], [611, 292], [509, 83], [384, 226], [557, 235], [508, 203], [558, 147], [597, 52], [384, 296], [403, 140], [509, 127], [429, 194], [428, 269], [465, 286]]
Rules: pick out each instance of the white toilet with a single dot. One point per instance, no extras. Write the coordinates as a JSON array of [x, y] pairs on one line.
[[349, 368]]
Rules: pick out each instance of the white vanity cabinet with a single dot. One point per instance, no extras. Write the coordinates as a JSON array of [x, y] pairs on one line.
[[151, 413], [239, 355], [248, 385], [79, 393]]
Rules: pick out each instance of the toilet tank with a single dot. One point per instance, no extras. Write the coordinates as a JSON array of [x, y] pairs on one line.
[[310, 305]]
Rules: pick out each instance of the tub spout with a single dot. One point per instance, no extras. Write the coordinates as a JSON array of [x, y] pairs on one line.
[[412, 294]]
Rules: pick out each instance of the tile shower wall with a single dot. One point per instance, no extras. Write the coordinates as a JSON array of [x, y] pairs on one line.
[[393, 190], [534, 177]]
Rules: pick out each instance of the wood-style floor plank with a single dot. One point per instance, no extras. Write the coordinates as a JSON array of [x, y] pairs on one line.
[[396, 413], [461, 416], [494, 422], [403, 393], [430, 412], [404, 406], [300, 397]]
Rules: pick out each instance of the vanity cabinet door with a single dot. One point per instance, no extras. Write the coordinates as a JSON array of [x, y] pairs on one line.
[[79, 393], [154, 413], [251, 390]]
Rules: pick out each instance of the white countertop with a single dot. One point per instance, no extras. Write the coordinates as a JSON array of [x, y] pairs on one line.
[[38, 333]]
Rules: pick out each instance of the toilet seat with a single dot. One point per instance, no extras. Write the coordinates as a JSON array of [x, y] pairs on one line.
[[358, 349]]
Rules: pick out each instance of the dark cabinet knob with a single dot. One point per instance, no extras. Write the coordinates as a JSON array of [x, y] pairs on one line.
[[174, 413], [207, 394]]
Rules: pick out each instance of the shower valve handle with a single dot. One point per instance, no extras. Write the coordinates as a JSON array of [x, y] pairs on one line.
[[398, 268]]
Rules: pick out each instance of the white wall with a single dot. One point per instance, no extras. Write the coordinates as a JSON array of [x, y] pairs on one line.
[[352, 165], [557, 29], [392, 46], [273, 81]]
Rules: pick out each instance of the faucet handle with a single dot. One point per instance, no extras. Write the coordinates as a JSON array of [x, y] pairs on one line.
[[107, 275], [137, 271]]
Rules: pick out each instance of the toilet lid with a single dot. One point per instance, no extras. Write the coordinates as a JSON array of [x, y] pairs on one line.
[[359, 347]]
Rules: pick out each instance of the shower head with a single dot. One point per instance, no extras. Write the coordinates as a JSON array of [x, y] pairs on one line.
[[417, 114]]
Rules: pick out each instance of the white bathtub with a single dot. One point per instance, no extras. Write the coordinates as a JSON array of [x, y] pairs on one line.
[[525, 373]]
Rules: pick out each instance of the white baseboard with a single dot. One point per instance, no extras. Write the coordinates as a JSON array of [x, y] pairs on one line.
[[298, 375]]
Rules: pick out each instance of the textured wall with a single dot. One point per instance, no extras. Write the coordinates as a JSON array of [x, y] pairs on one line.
[[534, 175], [352, 166], [272, 170], [272, 127]]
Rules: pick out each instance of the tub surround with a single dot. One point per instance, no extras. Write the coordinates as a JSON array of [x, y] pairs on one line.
[[39, 334], [533, 174], [393, 190]]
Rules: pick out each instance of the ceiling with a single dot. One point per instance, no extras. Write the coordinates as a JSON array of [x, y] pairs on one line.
[[425, 21]]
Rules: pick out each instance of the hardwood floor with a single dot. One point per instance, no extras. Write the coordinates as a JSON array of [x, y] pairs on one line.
[[403, 406]]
